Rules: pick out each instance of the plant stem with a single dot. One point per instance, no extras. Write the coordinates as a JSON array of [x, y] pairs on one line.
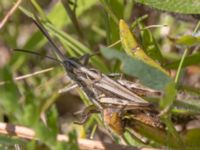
[[180, 66]]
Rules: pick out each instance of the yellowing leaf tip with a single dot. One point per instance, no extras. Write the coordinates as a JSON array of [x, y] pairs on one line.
[[122, 23]]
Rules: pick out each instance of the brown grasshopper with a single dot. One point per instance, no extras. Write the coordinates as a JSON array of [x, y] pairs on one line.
[[109, 97]]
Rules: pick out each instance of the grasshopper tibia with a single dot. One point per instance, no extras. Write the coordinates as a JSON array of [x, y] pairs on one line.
[[84, 114]]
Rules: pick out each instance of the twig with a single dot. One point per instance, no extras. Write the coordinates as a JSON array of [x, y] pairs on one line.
[[28, 75], [7, 16], [29, 134], [67, 89]]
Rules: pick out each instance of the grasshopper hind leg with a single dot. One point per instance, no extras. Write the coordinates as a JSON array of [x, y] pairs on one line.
[[84, 114]]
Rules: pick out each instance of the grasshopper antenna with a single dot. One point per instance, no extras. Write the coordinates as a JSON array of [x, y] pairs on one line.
[[46, 34], [37, 54]]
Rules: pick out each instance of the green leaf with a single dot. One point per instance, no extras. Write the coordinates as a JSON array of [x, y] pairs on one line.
[[171, 131], [191, 139], [45, 135], [148, 75], [178, 6], [9, 93], [186, 107], [37, 40], [73, 143], [169, 95], [189, 60], [30, 114], [76, 46], [150, 45], [66, 39], [187, 40], [158, 135], [133, 49], [132, 139], [52, 119], [114, 11], [10, 141], [165, 104]]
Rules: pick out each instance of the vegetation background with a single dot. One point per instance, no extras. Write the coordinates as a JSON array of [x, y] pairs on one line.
[[168, 31]]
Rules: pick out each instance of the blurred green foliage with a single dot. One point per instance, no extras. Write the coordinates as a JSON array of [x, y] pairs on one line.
[[32, 102], [184, 6]]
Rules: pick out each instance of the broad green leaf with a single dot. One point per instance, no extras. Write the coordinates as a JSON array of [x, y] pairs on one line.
[[187, 40], [148, 75], [178, 6], [133, 49]]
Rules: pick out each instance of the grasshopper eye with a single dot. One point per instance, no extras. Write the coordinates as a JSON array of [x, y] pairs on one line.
[[68, 66]]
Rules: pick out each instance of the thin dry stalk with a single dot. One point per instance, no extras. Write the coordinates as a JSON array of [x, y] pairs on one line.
[[28, 75], [84, 144], [7, 16]]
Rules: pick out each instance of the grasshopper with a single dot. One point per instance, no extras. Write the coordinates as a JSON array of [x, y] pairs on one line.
[[109, 97]]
